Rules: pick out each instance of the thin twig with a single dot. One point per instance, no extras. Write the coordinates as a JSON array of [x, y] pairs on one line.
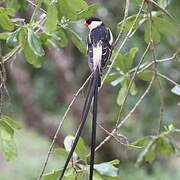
[[157, 61], [167, 78], [161, 93], [123, 23]]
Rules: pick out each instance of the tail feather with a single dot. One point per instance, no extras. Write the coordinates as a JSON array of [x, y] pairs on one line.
[[86, 108], [93, 136]]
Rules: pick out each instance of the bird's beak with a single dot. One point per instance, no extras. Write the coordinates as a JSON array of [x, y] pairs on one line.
[[85, 24]]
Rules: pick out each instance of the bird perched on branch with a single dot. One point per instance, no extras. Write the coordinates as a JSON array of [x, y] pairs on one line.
[[99, 47]]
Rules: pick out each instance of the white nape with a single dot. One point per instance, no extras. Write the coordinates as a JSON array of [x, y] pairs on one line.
[[94, 24]]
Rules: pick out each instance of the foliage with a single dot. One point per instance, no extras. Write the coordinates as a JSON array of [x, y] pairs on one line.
[[7, 128], [79, 168]]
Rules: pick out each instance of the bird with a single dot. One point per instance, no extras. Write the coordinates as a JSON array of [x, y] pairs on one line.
[[99, 50]]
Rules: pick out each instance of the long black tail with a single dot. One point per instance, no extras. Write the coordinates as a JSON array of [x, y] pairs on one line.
[[93, 136], [86, 108]]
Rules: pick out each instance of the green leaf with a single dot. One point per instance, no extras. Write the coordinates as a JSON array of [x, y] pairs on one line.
[[142, 155], [176, 90], [124, 62], [150, 156], [10, 121], [106, 169], [155, 33], [129, 58], [70, 9], [4, 35], [5, 21], [34, 43], [12, 40], [133, 89], [78, 5], [63, 41], [87, 13], [114, 162], [164, 147], [6, 127], [8, 145], [61, 152], [140, 142], [30, 56], [112, 76], [122, 93], [145, 75], [119, 60], [77, 41], [52, 18], [10, 11], [81, 149], [166, 27], [52, 175]]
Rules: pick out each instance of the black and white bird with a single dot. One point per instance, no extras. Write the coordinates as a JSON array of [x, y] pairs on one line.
[[99, 48]]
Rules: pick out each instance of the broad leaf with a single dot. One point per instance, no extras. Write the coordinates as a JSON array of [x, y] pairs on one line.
[[12, 40], [52, 18], [10, 121], [166, 27], [34, 43], [30, 56], [122, 93], [133, 89], [8, 145], [77, 41], [70, 9], [4, 125], [4, 35], [139, 143], [124, 62], [5, 21], [150, 156], [155, 33], [63, 41], [81, 149], [164, 147], [52, 175], [145, 75], [87, 13], [106, 169]]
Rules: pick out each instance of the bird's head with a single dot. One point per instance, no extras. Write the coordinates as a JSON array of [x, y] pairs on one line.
[[92, 22]]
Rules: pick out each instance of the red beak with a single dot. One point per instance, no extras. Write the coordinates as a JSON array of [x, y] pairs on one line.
[[85, 23]]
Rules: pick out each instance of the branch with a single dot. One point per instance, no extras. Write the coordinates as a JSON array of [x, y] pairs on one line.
[[128, 115]]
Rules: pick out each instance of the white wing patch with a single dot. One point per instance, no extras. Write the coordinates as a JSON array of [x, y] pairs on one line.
[[111, 37], [97, 55]]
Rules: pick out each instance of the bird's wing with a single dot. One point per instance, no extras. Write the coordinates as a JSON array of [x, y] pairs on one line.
[[106, 48], [90, 52]]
